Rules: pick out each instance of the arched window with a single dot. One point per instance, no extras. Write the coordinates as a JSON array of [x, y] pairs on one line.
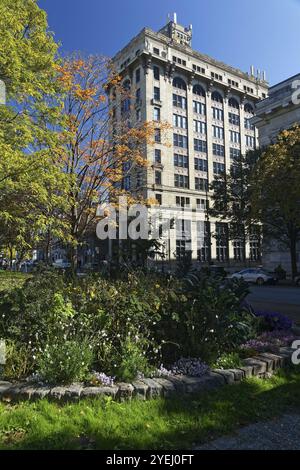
[[249, 108], [179, 83], [233, 103], [216, 96], [198, 90]]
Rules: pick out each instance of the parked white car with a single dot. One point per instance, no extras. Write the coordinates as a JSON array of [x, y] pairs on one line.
[[61, 264], [256, 275]]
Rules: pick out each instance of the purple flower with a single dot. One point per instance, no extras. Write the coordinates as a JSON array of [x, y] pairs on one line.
[[275, 320], [270, 341], [102, 379], [189, 366]]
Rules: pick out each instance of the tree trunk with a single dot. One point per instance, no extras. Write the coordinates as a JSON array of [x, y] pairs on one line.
[[73, 258]]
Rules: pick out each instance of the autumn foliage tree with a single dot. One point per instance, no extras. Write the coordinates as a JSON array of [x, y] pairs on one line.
[[100, 142]]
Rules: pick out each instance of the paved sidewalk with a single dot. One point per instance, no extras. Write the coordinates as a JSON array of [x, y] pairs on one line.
[[278, 434]]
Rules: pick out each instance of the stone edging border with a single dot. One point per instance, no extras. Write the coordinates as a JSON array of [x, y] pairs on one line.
[[262, 365]]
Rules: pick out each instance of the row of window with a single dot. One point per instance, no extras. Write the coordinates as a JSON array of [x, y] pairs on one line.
[[182, 160], [179, 83], [218, 114], [200, 164], [181, 141]]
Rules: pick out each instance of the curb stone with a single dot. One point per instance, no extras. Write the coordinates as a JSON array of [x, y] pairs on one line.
[[262, 365]]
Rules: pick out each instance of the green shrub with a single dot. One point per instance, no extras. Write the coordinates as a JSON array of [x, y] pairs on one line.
[[132, 362], [205, 318], [19, 361], [65, 362], [228, 361]]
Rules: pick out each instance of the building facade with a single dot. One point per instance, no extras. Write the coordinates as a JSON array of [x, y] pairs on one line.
[[208, 106], [281, 110]]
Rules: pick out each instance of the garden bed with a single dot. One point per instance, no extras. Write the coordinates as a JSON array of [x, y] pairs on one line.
[[141, 336], [262, 366]]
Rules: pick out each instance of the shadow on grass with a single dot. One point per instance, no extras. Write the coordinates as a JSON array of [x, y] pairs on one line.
[[176, 423]]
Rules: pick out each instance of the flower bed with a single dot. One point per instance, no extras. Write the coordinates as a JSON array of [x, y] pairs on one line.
[[100, 332]]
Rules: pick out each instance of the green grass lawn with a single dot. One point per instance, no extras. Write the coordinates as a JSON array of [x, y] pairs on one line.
[[10, 279], [175, 423]]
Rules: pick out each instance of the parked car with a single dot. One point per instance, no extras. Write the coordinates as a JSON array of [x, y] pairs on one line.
[[61, 264], [297, 281], [256, 275]]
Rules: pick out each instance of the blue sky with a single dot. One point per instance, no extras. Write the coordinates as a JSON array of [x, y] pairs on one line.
[[264, 33]]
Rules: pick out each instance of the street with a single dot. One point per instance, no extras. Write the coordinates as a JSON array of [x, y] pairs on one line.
[[281, 299]]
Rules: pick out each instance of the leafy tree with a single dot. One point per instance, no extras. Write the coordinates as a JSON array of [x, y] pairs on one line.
[[276, 192], [231, 198], [31, 186]]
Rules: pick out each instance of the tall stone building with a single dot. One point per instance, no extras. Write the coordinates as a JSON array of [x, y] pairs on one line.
[[281, 110], [208, 105]]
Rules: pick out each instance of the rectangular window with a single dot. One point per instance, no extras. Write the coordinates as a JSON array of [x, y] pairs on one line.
[[218, 132], [199, 127], [202, 204], [127, 183], [138, 115], [156, 73], [222, 241], [137, 75], [255, 248], [200, 164], [156, 93], [248, 124], [181, 161], [203, 241], [158, 177], [201, 184], [156, 114], [157, 156], [180, 141], [200, 145], [182, 201], [238, 250], [199, 108], [138, 95], [218, 168], [179, 101], [235, 137], [179, 121], [218, 150], [183, 237], [250, 141], [156, 50], [235, 153], [157, 136], [139, 177], [181, 181], [218, 114], [158, 198], [216, 76], [234, 119]]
